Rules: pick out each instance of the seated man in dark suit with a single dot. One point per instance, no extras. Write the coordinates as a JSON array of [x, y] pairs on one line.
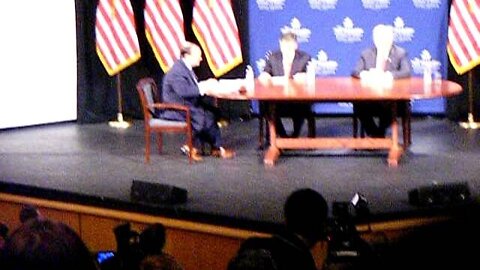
[[290, 62], [384, 62], [180, 86]]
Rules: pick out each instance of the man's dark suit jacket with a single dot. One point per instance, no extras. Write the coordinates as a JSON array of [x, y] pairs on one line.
[[398, 63], [274, 65], [180, 87]]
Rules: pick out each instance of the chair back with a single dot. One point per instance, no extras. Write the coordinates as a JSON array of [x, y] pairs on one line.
[[147, 90]]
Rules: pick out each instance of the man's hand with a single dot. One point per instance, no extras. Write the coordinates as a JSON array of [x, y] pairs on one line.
[[207, 86], [300, 77], [264, 78]]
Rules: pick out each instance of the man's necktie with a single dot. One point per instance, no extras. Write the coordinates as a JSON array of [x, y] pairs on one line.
[[287, 67], [381, 63], [194, 77]]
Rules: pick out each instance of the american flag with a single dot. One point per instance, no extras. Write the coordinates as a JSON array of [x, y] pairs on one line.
[[464, 35], [116, 39], [215, 27], [164, 30]]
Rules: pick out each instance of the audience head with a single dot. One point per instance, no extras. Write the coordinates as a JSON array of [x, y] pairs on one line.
[[3, 234], [383, 37], [253, 259], [152, 239], [448, 244], [160, 262], [305, 212], [191, 53], [288, 44], [3, 230], [127, 239], [45, 244], [28, 212]]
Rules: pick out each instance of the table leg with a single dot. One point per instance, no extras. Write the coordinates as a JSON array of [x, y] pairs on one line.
[[396, 150], [272, 153], [271, 156]]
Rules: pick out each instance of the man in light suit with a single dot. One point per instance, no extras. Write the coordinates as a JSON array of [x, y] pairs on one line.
[[291, 62], [385, 61], [180, 86]]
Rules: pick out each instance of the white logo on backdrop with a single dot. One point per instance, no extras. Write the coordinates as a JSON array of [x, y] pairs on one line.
[[400, 32], [270, 4], [262, 62], [302, 33], [323, 66], [376, 4], [323, 4], [425, 61], [427, 4], [347, 32]]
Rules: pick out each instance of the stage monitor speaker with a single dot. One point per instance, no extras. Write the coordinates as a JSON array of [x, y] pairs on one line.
[[440, 195], [157, 193]]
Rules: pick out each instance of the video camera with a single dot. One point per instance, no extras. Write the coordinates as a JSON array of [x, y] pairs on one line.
[[346, 247]]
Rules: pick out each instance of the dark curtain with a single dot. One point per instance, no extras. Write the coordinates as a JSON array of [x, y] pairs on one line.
[[458, 107]]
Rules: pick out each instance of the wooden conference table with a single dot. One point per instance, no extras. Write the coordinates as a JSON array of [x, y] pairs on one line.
[[336, 89]]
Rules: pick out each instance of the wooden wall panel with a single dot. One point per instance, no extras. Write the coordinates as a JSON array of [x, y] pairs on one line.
[[9, 214]]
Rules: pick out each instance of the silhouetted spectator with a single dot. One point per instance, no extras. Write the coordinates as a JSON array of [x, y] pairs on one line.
[[305, 213], [3, 234], [45, 244], [255, 259], [152, 239], [160, 262], [152, 242], [128, 254], [449, 244], [28, 212]]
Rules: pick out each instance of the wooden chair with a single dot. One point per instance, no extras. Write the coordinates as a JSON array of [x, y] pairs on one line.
[[147, 90], [405, 117]]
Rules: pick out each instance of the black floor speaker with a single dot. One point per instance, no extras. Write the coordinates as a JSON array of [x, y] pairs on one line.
[[440, 194], [155, 193]]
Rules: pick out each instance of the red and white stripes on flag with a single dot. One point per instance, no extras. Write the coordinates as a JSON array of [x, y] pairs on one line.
[[164, 30], [215, 27], [464, 35], [116, 39]]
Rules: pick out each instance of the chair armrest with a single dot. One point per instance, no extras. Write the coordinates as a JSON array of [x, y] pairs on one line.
[[176, 107], [170, 106]]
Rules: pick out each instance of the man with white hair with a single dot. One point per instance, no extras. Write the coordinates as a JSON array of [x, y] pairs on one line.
[[385, 61]]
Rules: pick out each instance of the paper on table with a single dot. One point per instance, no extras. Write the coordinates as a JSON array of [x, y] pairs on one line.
[[207, 86], [229, 86], [279, 80]]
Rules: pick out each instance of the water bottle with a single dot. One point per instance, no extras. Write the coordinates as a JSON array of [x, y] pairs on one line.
[[427, 74], [249, 78], [311, 73]]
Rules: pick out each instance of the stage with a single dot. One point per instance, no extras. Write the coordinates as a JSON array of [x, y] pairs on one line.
[[96, 164]]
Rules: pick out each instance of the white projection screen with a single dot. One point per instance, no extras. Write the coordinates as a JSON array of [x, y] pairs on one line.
[[38, 78]]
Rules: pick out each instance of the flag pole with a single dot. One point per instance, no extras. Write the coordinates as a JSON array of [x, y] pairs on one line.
[[470, 124], [120, 123]]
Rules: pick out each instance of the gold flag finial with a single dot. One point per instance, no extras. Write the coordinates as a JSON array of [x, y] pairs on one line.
[[112, 8]]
